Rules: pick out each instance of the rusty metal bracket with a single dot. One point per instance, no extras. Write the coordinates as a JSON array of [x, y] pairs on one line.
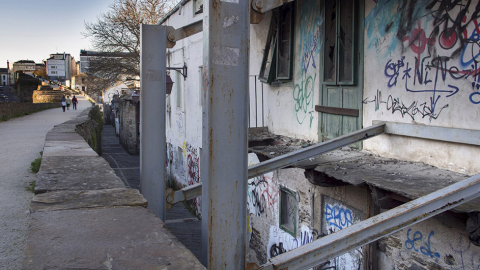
[[172, 197], [263, 6], [174, 35]]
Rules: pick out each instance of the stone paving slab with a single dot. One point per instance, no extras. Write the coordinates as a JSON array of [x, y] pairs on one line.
[[111, 238], [69, 128], [47, 182], [74, 164], [63, 136], [65, 200], [67, 148]]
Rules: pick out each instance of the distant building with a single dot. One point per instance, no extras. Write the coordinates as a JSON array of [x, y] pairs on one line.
[[87, 56], [61, 67], [4, 76], [40, 67], [25, 66]]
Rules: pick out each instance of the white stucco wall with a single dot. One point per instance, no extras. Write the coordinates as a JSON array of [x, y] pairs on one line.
[[441, 89], [290, 106], [184, 107]]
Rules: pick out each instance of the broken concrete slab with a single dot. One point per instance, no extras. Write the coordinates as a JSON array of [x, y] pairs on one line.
[[111, 238], [65, 200]]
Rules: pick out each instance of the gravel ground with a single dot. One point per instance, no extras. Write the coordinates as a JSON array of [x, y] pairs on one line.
[[21, 140]]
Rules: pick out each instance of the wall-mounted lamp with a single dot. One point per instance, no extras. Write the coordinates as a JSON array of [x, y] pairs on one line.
[[184, 69], [135, 97], [169, 85]]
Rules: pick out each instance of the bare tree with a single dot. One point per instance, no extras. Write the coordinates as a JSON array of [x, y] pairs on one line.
[[117, 33]]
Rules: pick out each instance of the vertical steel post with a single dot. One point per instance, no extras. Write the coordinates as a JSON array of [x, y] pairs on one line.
[[225, 124], [152, 117]]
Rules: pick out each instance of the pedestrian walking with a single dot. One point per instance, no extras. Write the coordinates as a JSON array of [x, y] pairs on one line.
[[74, 103], [64, 103], [69, 101]]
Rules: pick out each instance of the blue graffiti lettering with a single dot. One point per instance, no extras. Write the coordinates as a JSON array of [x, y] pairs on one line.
[[471, 98], [338, 217], [426, 249]]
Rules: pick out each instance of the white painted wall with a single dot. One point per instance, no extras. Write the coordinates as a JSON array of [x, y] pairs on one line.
[[108, 93], [448, 95], [184, 107]]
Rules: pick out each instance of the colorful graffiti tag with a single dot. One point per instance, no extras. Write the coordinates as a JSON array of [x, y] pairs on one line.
[[262, 194]]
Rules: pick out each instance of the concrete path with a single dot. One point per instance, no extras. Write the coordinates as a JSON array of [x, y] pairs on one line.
[[21, 141], [180, 222]]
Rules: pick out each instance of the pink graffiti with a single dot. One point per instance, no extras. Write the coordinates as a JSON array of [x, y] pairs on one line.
[[193, 170]]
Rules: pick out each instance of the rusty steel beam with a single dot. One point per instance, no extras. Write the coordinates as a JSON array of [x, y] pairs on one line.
[[152, 116], [263, 6], [314, 150], [186, 193], [374, 228], [223, 165]]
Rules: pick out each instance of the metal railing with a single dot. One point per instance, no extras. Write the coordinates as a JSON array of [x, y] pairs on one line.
[[376, 227], [283, 161]]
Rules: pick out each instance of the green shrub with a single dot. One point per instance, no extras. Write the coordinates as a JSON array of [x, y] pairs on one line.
[[35, 165]]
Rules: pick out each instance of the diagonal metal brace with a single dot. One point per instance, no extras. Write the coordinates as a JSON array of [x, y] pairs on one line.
[[283, 161], [374, 228]]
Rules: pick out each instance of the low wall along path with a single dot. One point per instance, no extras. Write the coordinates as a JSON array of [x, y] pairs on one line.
[[83, 217]]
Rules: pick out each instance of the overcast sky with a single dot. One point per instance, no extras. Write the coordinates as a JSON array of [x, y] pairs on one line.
[[32, 29]]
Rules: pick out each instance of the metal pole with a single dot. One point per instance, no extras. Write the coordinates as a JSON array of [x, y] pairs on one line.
[[225, 124], [152, 117]]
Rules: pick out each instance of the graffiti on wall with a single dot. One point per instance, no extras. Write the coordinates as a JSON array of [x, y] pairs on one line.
[[395, 105], [336, 217], [460, 254], [183, 168], [303, 97], [443, 39], [310, 32], [262, 195], [416, 242], [281, 241]]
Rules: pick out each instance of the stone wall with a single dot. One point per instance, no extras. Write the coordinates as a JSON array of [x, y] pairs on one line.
[[25, 86], [128, 130], [10, 110], [91, 129], [41, 96]]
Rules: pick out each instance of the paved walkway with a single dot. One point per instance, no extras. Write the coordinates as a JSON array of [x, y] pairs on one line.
[[181, 223], [21, 141]]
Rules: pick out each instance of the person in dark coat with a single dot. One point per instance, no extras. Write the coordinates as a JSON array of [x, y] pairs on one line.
[[74, 103]]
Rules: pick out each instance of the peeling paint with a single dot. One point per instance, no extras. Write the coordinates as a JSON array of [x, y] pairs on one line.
[[229, 21]]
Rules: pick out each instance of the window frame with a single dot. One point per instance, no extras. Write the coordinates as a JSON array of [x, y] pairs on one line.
[[284, 194], [338, 21], [270, 52]]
